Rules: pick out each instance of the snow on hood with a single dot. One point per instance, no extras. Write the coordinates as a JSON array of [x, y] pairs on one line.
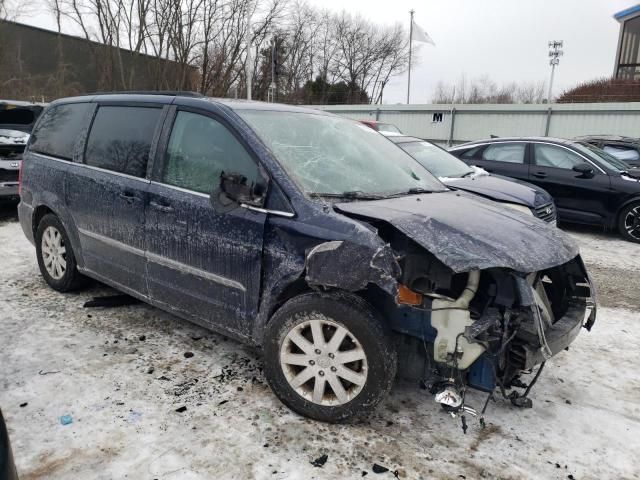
[[13, 137], [469, 233]]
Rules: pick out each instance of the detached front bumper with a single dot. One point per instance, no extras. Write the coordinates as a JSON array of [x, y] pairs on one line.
[[527, 351]]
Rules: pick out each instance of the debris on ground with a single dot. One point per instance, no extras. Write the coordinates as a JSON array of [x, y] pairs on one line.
[[111, 301], [42, 372], [320, 461], [22, 405], [379, 468], [188, 354], [181, 409], [66, 419], [151, 370]]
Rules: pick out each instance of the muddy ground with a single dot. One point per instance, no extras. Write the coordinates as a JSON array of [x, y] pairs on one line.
[[122, 375]]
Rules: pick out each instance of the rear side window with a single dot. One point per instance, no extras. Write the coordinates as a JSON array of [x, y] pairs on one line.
[[506, 152], [200, 150], [59, 130], [621, 152], [120, 139]]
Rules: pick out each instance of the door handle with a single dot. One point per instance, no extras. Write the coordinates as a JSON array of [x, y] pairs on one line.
[[160, 207], [129, 196], [539, 175]]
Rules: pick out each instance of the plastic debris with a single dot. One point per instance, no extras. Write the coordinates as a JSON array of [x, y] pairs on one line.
[[66, 419], [22, 405], [320, 461], [181, 409], [379, 468]]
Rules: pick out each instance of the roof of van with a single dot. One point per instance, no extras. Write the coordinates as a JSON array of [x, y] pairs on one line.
[[188, 98]]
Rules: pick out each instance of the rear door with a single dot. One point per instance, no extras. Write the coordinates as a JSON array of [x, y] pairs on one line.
[[107, 193], [202, 262], [578, 198], [506, 158]]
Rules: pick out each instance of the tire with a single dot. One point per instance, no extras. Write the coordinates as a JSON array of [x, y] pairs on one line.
[[66, 277], [366, 355], [629, 222]]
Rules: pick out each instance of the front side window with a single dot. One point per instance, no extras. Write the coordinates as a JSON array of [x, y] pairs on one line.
[[59, 130], [557, 157], [121, 137], [200, 149], [326, 154], [505, 152]]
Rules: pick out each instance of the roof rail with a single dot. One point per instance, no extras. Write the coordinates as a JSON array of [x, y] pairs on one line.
[[171, 93]]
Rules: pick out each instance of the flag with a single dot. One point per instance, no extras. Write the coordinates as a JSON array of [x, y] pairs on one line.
[[419, 35]]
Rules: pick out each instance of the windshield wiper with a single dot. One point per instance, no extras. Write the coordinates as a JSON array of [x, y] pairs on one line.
[[353, 194], [470, 172]]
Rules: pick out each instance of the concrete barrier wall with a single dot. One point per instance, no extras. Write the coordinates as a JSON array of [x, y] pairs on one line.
[[447, 124]]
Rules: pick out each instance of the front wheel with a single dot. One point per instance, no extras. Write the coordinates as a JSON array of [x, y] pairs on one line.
[[629, 222], [328, 356]]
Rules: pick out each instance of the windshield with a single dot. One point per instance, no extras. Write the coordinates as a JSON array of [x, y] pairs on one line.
[[607, 160], [436, 160], [388, 128], [333, 155]]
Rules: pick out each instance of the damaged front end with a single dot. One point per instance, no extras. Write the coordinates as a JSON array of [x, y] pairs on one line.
[[472, 310]]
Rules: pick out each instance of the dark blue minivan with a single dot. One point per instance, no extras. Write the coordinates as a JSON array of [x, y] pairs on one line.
[[307, 234]]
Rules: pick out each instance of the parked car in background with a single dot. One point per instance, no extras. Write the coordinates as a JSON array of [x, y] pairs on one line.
[[306, 233], [626, 149], [16, 121], [7, 466], [381, 126], [588, 185], [456, 174]]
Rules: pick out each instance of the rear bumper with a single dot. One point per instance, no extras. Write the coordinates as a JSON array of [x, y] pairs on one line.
[[25, 214]]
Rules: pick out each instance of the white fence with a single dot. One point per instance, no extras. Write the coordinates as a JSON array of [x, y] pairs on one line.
[[451, 124]]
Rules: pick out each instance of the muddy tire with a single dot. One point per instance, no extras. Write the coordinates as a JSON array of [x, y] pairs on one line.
[[56, 259], [629, 222], [329, 356]]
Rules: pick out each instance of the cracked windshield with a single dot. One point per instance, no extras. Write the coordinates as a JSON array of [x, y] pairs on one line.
[[334, 157]]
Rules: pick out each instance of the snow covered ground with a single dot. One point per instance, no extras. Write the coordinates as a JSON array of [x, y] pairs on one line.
[[121, 373]]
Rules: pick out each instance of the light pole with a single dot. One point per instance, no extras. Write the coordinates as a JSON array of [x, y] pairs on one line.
[[554, 53]]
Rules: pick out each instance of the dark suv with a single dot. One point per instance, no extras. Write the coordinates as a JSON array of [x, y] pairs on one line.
[[307, 234]]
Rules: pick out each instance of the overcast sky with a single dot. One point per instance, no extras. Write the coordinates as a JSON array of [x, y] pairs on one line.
[[505, 39]]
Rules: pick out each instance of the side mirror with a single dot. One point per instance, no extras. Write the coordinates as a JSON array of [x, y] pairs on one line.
[[234, 189], [584, 169]]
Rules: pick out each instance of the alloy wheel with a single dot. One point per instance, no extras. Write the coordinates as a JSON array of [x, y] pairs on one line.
[[54, 253], [632, 222], [324, 362]]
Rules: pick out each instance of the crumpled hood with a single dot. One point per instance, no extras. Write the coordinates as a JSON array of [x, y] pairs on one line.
[[502, 189], [469, 233]]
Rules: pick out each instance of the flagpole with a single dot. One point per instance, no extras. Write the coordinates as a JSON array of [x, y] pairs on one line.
[[411, 12]]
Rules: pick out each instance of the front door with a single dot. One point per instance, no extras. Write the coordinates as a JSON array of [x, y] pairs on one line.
[[106, 195], [578, 198], [202, 262]]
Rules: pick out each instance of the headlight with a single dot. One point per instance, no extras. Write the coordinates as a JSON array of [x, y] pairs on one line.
[[520, 208]]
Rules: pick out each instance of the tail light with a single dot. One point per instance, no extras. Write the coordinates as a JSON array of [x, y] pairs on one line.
[[20, 177]]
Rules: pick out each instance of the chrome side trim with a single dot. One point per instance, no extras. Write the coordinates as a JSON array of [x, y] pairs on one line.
[[265, 210], [179, 189], [111, 242], [167, 262], [90, 167]]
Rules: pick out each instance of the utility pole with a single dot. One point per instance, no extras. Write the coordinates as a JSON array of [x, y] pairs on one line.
[[249, 66], [411, 12], [554, 53], [273, 86]]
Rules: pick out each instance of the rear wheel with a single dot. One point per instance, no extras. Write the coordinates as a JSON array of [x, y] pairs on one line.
[[56, 259], [629, 222], [328, 356]]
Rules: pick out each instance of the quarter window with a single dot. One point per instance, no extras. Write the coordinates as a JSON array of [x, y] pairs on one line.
[[557, 157], [505, 152], [200, 149], [59, 129], [120, 139]]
